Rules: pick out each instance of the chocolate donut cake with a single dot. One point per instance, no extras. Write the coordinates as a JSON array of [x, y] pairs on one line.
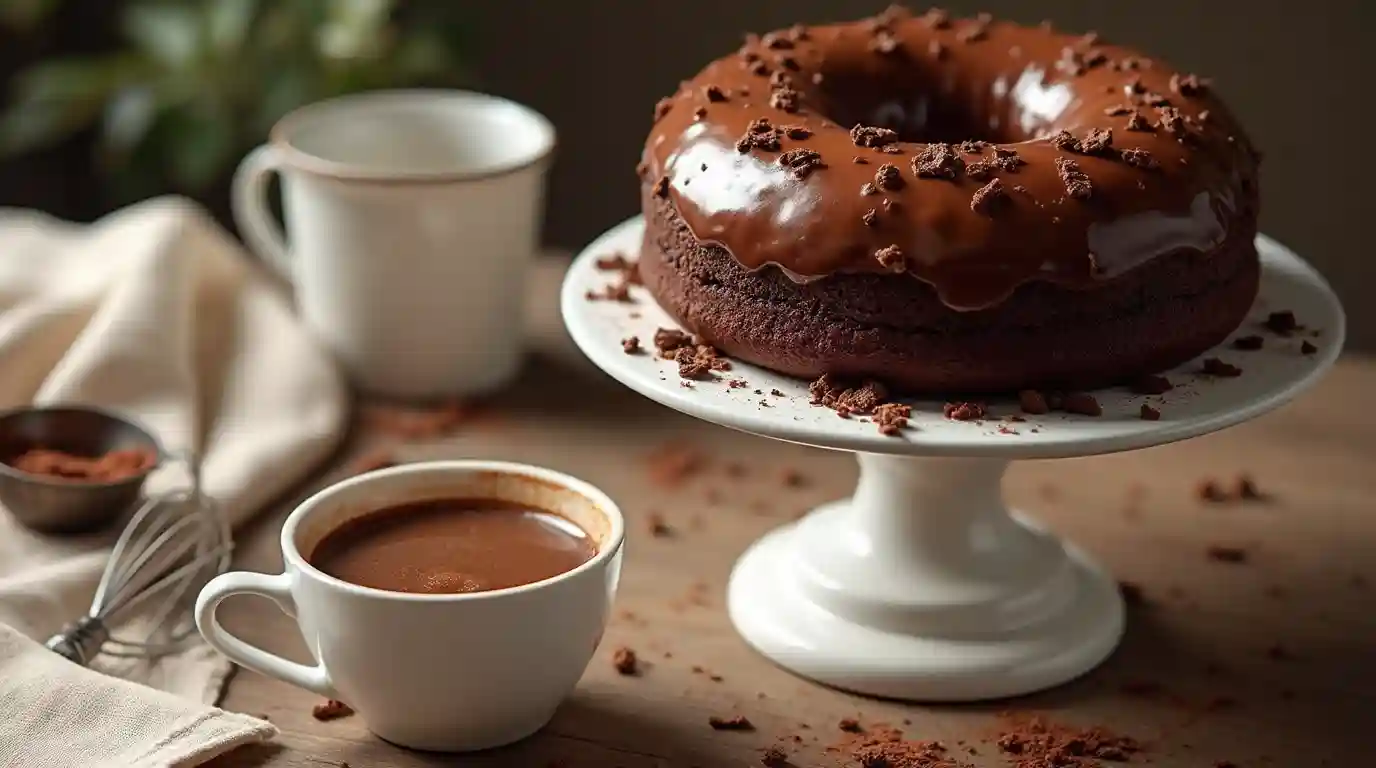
[[950, 206]]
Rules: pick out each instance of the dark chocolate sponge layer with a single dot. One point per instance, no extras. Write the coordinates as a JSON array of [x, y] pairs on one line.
[[894, 328]]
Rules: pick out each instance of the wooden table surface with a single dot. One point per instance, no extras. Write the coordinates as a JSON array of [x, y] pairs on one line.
[[1271, 662]]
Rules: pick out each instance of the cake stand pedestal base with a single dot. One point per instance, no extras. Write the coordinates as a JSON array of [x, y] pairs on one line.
[[923, 586]]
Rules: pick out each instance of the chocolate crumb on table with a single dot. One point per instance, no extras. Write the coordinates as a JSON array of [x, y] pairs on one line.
[[964, 411], [624, 661], [1247, 489], [1209, 490], [673, 463], [1082, 403], [659, 527], [730, 723], [850, 725], [1035, 742], [774, 757], [1282, 323], [1213, 366], [1225, 554], [631, 345], [331, 709], [1033, 402]]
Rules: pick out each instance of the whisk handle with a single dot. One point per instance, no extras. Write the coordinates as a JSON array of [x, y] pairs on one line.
[[276, 588]]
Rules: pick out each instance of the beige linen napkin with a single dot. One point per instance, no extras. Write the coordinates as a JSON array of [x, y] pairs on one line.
[[157, 313]]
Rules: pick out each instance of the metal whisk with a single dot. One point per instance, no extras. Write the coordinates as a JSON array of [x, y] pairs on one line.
[[171, 546]]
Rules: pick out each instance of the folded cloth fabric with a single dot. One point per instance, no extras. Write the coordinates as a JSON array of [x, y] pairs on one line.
[[156, 313], [72, 716]]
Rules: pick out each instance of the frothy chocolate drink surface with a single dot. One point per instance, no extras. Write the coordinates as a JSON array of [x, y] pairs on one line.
[[448, 546]]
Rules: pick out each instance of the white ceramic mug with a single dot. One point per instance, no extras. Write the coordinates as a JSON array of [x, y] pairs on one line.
[[453, 672], [412, 218]]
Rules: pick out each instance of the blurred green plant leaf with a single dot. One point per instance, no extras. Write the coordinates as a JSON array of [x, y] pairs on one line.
[[199, 148], [53, 100], [169, 33], [229, 22], [128, 118]]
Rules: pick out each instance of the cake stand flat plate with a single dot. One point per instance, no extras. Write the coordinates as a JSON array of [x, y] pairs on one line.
[[1198, 404]]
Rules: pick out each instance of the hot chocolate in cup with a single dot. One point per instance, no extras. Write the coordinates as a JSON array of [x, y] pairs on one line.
[[426, 669]]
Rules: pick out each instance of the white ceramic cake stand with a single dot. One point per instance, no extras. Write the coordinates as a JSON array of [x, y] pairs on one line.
[[923, 585]]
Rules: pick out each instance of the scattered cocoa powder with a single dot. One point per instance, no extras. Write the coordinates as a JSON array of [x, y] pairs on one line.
[[774, 757], [1034, 742], [673, 463], [331, 709], [1225, 554], [110, 467], [850, 725]]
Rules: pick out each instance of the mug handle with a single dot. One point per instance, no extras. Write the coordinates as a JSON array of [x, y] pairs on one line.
[[277, 589], [249, 201]]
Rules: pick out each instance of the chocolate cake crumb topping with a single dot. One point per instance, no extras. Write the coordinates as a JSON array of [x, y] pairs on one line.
[[670, 340], [884, 44], [778, 42], [973, 147], [963, 411], [859, 160], [888, 177], [1307, 348], [1008, 159], [1082, 403], [625, 662], [1204, 116], [1139, 158], [974, 33], [1117, 110], [801, 161], [937, 50], [871, 136], [937, 18], [989, 198], [1134, 86], [889, 205], [1064, 141], [980, 170], [662, 107], [788, 62], [870, 217], [868, 189], [714, 93], [1077, 184], [1173, 122], [1138, 123], [631, 345], [1249, 343], [938, 161], [1216, 367], [1154, 99], [890, 257], [796, 132], [1097, 141], [1187, 85], [1033, 402], [1149, 413], [661, 188], [1151, 385], [759, 68], [1282, 323], [731, 723], [891, 418], [781, 80], [785, 99]]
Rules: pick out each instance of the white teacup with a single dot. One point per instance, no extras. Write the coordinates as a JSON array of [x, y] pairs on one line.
[[453, 672], [412, 217]]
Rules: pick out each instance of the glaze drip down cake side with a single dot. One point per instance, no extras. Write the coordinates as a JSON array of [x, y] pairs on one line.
[[950, 206]]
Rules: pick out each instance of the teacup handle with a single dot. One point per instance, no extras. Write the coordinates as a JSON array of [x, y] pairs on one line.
[[249, 200], [277, 589]]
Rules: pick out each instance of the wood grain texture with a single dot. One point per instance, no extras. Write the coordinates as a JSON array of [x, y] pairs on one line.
[[1204, 634]]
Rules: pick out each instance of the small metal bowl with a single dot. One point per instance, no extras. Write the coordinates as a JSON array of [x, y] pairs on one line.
[[62, 505]]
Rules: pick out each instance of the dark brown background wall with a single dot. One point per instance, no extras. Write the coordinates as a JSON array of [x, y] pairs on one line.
[[1293, 71]]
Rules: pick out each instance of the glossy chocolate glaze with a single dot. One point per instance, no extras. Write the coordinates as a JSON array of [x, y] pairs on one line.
[[976, 79]]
